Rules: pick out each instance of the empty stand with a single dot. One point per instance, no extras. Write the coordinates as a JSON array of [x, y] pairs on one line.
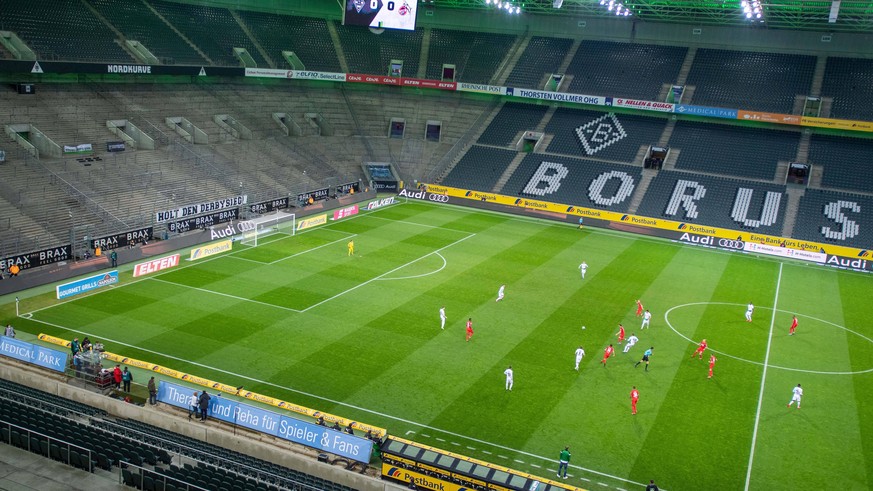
[[367, 52], [61, 30], [750, 80], [720, 202], [139, 23], [595, 134], [849, 81], [631, 70], [576, 182], [846, 161], [835, 217], [479, 168], [307, 37], [211, 29], [732, 150], [543, 56], [512, 119], [476, 55]]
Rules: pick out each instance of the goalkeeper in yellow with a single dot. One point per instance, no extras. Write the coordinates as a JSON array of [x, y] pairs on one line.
[[351, 248]]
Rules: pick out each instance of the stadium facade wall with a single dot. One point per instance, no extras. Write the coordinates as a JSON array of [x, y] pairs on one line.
[[244, 441]]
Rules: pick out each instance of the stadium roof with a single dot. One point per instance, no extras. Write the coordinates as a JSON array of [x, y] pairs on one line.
[[852, 16]]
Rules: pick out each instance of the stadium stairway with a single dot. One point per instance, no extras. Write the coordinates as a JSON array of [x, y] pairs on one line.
[[340, 53], [179, 33], [640, 191], [510, 169], [252, 38], [791, 209], [425, 51], [511, 59]]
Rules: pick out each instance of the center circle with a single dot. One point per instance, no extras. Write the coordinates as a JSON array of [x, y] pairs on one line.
[[770, 365]]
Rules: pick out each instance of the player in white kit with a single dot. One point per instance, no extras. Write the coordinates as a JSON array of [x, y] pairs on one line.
[[632, 340], [580, 353], [583, 268], [798, 393], [647, 316], [500, 293], [442, 317], [749, 309], [508, 373]]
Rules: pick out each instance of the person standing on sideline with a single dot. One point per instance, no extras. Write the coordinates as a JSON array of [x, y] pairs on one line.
[[793, 326], [606, 354], [645, 358], [126, 377], [749, 309], [647, 316], [153, 392], [652, 486], [469, 328], [508, 373], [116, 376], [204, 405], [351, 248], [194, 405], [634, 396], [74, 346], [580, 353], [583, 268], [632, 340], [10, 331], [620, 333], [798, 393], [442, 317], [700, 349], [639, 308], [712, 360], [500, 293], [564, 461], [113, 258]]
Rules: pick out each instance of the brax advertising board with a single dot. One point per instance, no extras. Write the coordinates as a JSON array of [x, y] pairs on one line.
[[278, 425]]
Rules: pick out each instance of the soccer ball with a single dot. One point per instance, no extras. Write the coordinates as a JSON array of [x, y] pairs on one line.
[[583, 328]]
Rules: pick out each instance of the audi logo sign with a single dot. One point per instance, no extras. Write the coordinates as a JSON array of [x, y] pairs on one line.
[[732, 244], [706, 240], [425, 196]]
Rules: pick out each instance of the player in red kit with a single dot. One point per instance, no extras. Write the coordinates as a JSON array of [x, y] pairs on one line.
[[635, 396], [469, 328], [620, 333], [700, 349], [606, 354], [639, 308], [793, 326], [712, 360]]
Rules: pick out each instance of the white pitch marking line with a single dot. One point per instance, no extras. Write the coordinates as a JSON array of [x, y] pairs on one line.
[[455, 444], [242, 299], [408, 432], [603, 484], [537, 466], [471, 448], [519, 461], [486, 452], [420, 275], [247, 259], [586, 480], [424, 435], [419, 224], [341, 403], [313, 249], [386, 273], [763, 379]]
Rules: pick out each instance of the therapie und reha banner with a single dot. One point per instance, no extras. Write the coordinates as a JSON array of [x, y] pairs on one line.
[[271, 423]]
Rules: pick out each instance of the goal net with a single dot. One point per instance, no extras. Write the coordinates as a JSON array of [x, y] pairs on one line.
[[258, 228]]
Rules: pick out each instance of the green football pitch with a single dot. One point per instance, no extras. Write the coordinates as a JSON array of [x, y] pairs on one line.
[[297, 318]]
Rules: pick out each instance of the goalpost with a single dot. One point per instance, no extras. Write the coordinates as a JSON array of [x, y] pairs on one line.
[[263, 226]]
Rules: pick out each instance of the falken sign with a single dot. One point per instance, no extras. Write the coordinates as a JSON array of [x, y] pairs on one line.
[[191, 210]]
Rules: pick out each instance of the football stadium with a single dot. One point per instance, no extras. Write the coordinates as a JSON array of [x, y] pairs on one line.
[[512, 245]]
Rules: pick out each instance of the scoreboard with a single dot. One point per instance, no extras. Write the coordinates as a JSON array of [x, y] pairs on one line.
[[384, 14]]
